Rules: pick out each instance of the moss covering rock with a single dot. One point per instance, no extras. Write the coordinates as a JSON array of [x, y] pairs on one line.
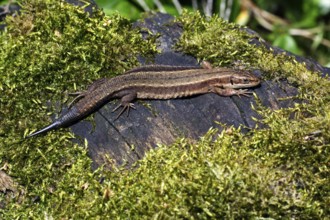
[[281, 171]]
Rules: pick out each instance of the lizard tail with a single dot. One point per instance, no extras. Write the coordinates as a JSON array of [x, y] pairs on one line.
[[50, 127]]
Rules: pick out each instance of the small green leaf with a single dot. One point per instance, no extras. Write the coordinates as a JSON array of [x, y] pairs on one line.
[[287, 42]]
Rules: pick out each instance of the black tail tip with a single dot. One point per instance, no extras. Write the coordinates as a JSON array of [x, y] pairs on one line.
[[50, 127]]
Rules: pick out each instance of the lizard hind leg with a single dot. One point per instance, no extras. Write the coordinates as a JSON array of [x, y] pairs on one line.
[[79, 95], [90, 88], [126, 104], [125, 107]]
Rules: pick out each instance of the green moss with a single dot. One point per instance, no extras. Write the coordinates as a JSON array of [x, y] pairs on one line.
[[298, 147], [228, 44], [213, 39], [281, 171], [50, 49]]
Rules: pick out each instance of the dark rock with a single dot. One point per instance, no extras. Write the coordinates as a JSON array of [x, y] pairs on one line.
[[5, 10], [127, 139]]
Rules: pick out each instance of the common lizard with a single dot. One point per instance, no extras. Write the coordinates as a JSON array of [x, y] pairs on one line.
[[154, 82]]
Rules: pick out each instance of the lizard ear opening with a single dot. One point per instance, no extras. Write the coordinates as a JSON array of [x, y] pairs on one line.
[[231, 81]]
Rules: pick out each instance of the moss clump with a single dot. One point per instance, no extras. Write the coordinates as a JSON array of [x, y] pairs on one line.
[[235, 176], [281, 171], [299, 146], [228, 44], [49, 49]]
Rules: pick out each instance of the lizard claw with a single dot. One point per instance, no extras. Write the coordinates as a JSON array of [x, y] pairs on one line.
[[126, 107]]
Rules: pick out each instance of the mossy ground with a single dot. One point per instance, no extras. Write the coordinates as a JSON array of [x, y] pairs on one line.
[[281, 171]]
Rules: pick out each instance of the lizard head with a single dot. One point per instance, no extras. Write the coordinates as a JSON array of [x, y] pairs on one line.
[[242, 80]]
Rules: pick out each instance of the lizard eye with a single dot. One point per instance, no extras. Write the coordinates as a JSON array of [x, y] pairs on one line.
[[246, 81]]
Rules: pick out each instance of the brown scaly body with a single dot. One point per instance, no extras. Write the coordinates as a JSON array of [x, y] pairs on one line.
[[155, 82]]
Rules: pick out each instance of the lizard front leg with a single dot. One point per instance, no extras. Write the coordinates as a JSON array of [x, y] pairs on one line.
[[230, 92]]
